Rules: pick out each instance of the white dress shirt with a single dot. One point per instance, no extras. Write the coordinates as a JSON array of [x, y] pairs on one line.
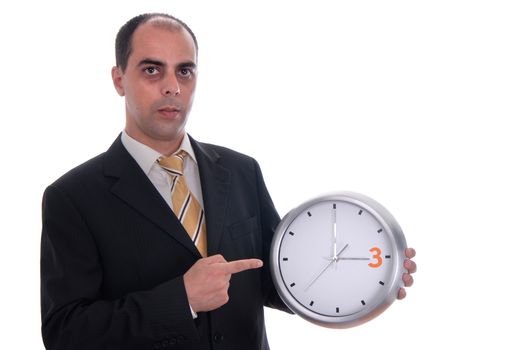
[[146, 158]]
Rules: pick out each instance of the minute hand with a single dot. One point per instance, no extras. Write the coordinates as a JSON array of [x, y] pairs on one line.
[[334, 248], [350, 258]]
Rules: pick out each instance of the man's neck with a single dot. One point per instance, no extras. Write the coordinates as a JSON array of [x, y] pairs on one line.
[[165, 147]]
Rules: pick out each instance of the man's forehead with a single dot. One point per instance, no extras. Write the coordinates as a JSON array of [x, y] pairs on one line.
[[160, 24], [165, 23], [146, 39]]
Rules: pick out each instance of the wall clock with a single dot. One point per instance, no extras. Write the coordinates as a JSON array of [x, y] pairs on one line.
[[337, 260]]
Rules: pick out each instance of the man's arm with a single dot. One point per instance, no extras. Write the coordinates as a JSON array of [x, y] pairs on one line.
[[75, 316]]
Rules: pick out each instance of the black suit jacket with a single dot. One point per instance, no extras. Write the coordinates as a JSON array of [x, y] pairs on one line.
[[114, 254]]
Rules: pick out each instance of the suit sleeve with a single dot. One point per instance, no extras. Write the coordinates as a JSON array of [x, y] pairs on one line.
[[269, 221], [74, 316]]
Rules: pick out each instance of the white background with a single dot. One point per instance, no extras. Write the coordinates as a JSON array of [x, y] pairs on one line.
[[414, 103]]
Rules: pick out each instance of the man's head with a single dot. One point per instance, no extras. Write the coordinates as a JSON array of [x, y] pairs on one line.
[[123, 46], [156, 58]]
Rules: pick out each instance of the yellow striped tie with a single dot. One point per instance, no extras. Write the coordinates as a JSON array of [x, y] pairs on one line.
[[185, 204]]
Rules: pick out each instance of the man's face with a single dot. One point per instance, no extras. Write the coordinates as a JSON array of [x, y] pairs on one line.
[[158, 84]]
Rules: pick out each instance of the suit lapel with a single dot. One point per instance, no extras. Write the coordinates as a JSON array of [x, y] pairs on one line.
[[215, 181], [134, 188]]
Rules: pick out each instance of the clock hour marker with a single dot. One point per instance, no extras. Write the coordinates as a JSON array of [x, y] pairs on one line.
[[293, 284], [382, 283], [337, 310], [334, 206], [380, 230], [361, 211], [309, 213], [363, 302], [291, 233], [387, 256], [311, 303], [285, 259]]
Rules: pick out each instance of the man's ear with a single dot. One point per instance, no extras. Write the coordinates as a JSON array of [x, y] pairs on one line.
[[117, 74]]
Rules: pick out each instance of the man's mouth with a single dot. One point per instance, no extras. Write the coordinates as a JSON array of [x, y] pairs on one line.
[[169, 111], [169, 108]]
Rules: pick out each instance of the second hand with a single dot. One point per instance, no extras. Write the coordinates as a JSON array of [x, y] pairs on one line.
[[334, 259]]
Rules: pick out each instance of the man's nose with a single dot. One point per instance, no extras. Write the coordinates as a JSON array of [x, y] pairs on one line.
[[171, 87]]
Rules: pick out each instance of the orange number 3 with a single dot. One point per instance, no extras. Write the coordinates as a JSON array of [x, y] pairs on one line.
[[376, 256]]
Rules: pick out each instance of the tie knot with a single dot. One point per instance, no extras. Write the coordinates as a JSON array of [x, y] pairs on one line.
[[173, 164]]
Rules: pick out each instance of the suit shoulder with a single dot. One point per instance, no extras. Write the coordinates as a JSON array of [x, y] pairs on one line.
[[82, 173], [228, 155]]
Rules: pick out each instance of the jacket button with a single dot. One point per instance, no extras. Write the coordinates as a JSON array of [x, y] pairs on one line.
[[218, 337]]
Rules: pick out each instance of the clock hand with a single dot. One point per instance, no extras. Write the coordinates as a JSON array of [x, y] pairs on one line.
[[333, 259], [345, 258], [334, 255], [318, 276], [342, 249]]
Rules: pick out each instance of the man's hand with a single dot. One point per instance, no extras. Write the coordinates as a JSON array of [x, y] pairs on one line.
[[207, 281], [411, 268]]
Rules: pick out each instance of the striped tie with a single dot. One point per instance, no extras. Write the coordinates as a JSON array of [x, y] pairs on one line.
[[185, 204]]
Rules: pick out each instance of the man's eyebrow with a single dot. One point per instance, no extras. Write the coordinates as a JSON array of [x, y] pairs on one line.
[[188, 64], [150, 61]]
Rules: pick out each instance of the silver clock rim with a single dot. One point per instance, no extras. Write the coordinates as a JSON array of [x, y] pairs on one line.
[[390, 227]]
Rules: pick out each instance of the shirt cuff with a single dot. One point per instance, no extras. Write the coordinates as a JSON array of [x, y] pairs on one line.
[[194, 314]]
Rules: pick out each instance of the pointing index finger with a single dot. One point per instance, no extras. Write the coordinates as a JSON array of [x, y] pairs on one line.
[[242, 265]]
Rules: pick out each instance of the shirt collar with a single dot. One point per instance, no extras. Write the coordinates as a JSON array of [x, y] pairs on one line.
[[146, 157]]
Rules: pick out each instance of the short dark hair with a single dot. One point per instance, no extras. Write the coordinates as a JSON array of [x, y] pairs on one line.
[[124, 37]]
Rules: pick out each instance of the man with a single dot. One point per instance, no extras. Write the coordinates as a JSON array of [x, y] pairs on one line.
[[125, 264]]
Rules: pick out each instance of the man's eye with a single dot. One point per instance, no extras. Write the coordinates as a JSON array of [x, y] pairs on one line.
[[151, 70], [185, 72]]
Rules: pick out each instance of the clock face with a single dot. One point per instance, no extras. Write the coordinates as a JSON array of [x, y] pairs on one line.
[[337, 261]]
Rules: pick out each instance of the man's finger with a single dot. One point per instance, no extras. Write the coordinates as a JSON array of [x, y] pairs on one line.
[[242, 265], [410, 266], [407, 280], [410, 253], [402, 294]]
